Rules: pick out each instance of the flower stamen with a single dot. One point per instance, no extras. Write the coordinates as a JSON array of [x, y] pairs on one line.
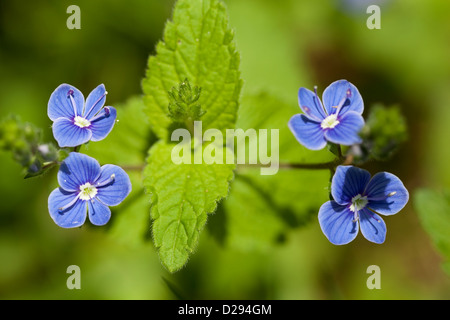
[[330, 122], [87, 191], [72, 101], [383, 197], [81, 122], [341, 103], [310, 114], [317, 101], [372, 215], [68, 205], [101, 115], [88, 113], [358, 203], [107, 182]]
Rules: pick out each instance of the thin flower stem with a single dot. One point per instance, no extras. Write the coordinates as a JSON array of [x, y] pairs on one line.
[[287, 165], [330, 165], [340, 156], [283, 165], [133, 167]]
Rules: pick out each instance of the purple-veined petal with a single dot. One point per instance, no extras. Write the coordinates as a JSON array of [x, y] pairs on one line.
[[386, 193], [307, 132], [95, 101], [337, 92], [73, 212], [68, 134], [372, 226], [348, 182], [62, 105], [103, 123], [76, 170], [311, 105], [113, 185], [346, 132], [337, 223], [99, 214]]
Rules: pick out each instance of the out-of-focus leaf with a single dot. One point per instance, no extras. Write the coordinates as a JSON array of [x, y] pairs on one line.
[[182, 196], [126, 146], [433, 208], [261, 208]]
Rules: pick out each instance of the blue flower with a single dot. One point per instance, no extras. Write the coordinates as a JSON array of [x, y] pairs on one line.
[[86, 187], [358, 199], [75, 122], [338, 120]]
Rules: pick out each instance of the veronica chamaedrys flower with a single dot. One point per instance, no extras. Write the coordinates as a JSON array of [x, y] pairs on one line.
[[338, 120], [86, 187], [76, 122], [358, 199]]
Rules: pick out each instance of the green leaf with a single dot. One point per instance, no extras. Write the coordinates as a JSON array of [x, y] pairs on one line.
[[251, 221], [23, 140], [261, 209], [129, 140], [182, 195], [274, 113], [126, 146], [183, 104], [433, 208], [198, 46]]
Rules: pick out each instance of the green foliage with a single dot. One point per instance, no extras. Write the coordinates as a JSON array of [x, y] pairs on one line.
[[433, 208], [261, 208], [128, 142], [197, 49], [183, 106], [23, 140], [198, 45], [182, 196], [126, 146], [384, 132]]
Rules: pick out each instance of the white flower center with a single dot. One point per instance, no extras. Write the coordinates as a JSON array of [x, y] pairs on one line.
[[87, 191], [81, 122], [358, 203], [330, 122]]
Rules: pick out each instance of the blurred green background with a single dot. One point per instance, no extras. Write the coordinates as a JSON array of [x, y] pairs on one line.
[[284, 45]]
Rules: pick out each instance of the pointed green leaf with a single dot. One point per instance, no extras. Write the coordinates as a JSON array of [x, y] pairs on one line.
[[182, 196], [198, 46], [433, 209]]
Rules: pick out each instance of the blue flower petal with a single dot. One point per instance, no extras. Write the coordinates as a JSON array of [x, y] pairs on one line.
[[310, 104], [307, 132], [337, 223], [95, 101], [60, 104], [347, 182], [76, 170], [113, 185], [346, 132], [103, 123], [386, 193], [372, 226], [74, 213], [67, 134], [99, 214], [336, 92]]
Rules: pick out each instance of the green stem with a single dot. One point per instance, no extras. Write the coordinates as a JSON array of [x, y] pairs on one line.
[[330, 165], [287, 165]]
